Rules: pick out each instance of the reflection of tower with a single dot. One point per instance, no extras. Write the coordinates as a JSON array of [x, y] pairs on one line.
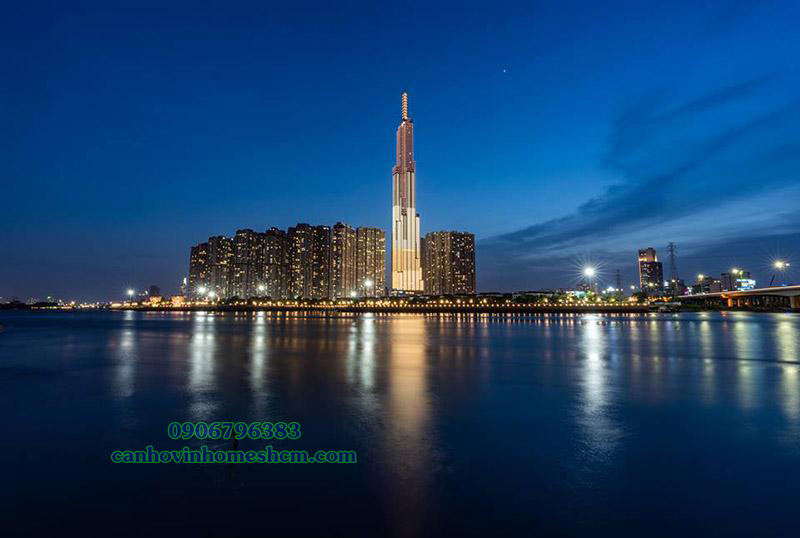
[[409, 437], [406, 267]]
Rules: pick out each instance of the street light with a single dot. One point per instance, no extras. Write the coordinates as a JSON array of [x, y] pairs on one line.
[[589, 272], [261, 288], [779, 265], [131, 292]]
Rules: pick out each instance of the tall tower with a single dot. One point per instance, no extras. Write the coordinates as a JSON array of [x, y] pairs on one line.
[[406, 267]]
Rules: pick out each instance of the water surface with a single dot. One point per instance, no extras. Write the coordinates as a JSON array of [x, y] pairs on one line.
[[556, 424]]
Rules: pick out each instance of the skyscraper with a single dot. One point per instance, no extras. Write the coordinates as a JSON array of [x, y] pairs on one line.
[[343, 261], [248, 257], [651, 273], [406, 262], [276, 263], [220, 260], [310, 261], [449, 263], [370, 262], [198, 269]]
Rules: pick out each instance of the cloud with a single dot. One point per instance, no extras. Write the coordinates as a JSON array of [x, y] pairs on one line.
[[676, 160]]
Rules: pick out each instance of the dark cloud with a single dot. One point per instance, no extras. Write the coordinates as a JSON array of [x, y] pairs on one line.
[[675, 160]]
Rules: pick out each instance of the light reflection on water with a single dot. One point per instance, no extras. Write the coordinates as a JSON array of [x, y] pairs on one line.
[[546, 411], [387, 360]]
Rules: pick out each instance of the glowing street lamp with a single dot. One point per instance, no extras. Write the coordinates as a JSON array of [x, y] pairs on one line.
[[202, 290], [131, 292], [779, 265], [589, 272], [261, 288]]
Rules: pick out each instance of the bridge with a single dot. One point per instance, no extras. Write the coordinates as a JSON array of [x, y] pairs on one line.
[[772, 297]]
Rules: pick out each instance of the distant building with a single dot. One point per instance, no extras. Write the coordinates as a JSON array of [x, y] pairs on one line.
[[706, 284], [198, 269], [370, 262], [651, 272], [310, 261], [677, 287], [449, 263], [737, 280], [343, 261], [307, 262], [248, 261], [220, 261], [277, 256], [154, 291]]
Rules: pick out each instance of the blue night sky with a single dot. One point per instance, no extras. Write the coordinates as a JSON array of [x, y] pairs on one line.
[[555, 131]]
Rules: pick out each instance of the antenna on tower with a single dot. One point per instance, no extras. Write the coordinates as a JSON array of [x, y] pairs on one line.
[[405, 105], [673, 265]]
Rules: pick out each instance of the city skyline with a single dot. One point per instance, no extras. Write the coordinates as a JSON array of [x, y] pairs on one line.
[[549, 147]]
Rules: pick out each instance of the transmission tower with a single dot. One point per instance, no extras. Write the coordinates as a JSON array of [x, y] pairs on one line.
[[619, 281], [673, 264]]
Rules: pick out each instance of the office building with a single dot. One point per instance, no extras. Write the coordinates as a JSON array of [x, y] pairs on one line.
[[651, 272], [406, 260]]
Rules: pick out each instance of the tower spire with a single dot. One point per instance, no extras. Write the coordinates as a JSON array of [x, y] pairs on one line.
[[405, 106]]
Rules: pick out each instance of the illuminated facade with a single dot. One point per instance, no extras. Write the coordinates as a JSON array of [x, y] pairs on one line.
[[449, 263], [248, 261], [198, 269], [220, 261], [651, 272], [307, 262], [406, 260], [370, 262], [343, 261], [276, 263], [310, 261]]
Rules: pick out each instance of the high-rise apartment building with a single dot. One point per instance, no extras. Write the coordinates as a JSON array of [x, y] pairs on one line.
[[220, 261], [310, 261], [651, 272], [343, 261], [198, 269], [248, 260], [406, 261], [449, 263], [370, 262], [276, 263], [307, 262]]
